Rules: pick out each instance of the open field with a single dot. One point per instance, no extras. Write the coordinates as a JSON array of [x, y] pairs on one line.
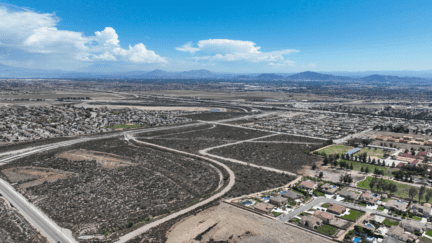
[[213, 116], [357, 166], [288, 157], [373, 152], [14, 228], [402, 189], [335, 149], [113, 183]]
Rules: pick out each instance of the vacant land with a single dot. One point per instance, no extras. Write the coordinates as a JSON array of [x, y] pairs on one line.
[[14, 228], [113, 185], [228, 224], [193, 140], [335, 149], [214, 116], [288, 157]]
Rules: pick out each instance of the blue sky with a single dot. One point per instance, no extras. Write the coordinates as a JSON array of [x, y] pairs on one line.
[[222, 36]]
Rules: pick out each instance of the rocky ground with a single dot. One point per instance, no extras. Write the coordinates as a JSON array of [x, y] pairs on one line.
[[14, 228], [110, 198]]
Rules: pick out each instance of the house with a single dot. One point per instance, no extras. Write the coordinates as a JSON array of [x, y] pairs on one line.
[[292, 195], [420, 210], [370, 198], [329, 189], [336, 208], [398, 233], [349, 194], [264, 207], [396, 205], [324, 216], [278, 200], [307, 185], [412, 225], [311, 221]]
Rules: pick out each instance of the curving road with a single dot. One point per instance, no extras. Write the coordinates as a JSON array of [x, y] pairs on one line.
[[146, 227]]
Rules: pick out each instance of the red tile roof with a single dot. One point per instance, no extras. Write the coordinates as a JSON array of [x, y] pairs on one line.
[[308, 184]]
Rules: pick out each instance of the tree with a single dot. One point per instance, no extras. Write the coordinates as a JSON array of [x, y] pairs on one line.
[[367, 169], [373, 183], [362, 170], [321, 174], [393, 164], [335, 163], [373, 161], [392, 188], [428, 194], [314, 167], [351, 167], [421, 192], [326, 161], [412, 193]]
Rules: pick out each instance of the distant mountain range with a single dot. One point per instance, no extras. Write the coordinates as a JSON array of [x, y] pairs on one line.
[[103, 71]]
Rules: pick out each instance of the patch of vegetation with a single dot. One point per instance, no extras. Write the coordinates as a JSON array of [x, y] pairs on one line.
[[276, 214], [353, 215], [326, 205], [335, 149], [390, 223], [327, 229], [381, 208], [371, 168], [416, 218], [429, 233]]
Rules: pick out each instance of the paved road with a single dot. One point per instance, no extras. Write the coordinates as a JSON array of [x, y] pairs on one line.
[[331, 200], [34, 216], [205, 152], [156, 223]]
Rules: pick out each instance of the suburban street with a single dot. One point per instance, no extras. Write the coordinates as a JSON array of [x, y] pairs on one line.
[[320, 200]]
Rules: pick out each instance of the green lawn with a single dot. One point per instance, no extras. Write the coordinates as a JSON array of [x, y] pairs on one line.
[[389, 223], [372, 152], [417, 218], [326, 205], [327, 229], [381, 208], [124, 126], [276, 214], [294, 220], [292, 203], [335, 149], [353, 214], [362, 204], [402, 191], [429, 233], [357, 166]]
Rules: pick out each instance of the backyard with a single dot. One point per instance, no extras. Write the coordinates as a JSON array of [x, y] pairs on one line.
[[353, 215], [327, 229], [335, 149]]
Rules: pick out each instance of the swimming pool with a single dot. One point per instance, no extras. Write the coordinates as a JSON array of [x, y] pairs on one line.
[[266, 198], [356, 239]]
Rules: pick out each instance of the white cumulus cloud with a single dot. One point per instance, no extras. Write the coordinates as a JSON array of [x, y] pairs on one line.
[[233, 50], [33, 32]]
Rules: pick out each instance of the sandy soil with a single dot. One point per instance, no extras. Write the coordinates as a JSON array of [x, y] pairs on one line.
[[231, 224], [106, 160], [33, 176]]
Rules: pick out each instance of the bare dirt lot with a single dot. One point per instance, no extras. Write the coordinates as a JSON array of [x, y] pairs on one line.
[[111, 199], [14, 228], [230, 224]]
